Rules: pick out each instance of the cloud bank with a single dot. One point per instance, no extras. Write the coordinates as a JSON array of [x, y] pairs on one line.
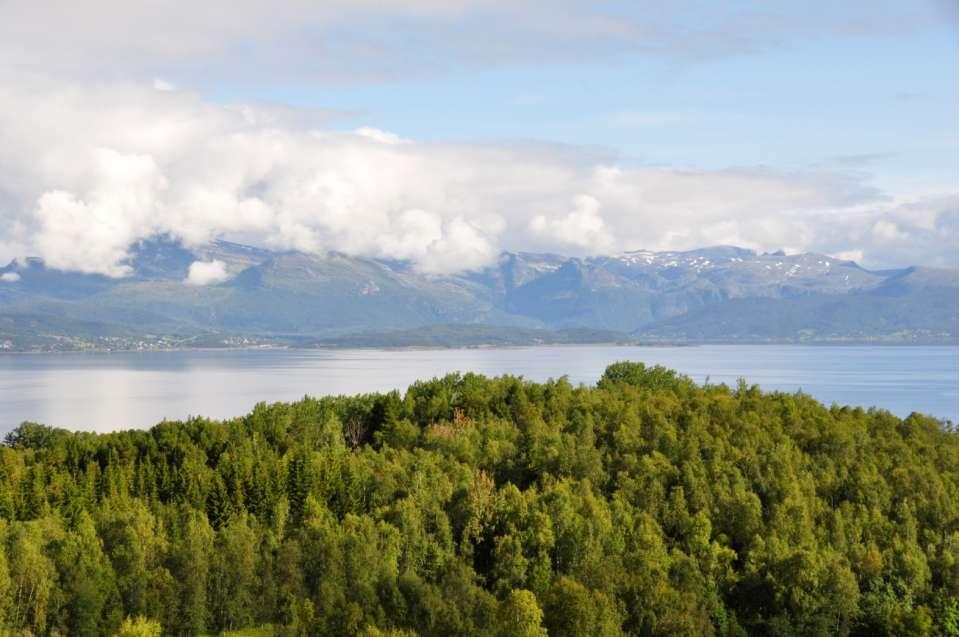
[[99, 148], [84, 174]]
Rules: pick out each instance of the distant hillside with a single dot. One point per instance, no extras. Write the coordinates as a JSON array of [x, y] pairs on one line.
[[472, 336], [914, 306], [713, 294]]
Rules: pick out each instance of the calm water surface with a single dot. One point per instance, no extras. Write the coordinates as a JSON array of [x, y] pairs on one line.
[[112, 391]]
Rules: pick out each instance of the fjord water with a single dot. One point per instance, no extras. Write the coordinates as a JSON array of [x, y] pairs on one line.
[[105, 392]]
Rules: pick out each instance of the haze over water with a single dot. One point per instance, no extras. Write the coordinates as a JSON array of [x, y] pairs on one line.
[[105, 392]]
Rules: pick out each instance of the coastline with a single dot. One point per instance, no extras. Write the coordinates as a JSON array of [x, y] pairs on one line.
[[279, 347]]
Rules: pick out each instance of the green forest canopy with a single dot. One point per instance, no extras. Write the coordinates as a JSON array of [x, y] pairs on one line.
[[645, 505]]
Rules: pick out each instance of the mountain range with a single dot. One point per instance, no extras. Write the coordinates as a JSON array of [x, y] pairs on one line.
[[716, 294]]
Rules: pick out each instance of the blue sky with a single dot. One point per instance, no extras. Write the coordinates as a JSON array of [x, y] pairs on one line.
[[445, 131], [879, 102]]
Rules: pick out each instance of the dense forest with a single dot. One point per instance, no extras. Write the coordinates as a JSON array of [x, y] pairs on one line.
[[646, 505]]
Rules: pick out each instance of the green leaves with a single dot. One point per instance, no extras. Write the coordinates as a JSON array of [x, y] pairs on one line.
[[474, 506]]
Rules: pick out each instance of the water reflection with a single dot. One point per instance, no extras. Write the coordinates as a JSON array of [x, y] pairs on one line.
[[110, 391]]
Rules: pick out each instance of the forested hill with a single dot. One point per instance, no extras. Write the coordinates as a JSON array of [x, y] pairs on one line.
[[646, 505]]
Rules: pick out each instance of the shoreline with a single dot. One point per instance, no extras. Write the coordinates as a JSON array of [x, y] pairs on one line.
[[490, 346]]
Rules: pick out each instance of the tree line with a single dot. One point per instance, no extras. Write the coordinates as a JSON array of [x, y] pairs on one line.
[[644, 505]]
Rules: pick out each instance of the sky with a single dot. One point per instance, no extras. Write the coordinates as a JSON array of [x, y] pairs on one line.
[[448, 131]]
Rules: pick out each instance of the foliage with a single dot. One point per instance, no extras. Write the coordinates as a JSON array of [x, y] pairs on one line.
[[646, 505], [139, 626]]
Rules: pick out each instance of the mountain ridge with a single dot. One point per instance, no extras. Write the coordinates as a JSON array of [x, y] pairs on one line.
[[712, 294]]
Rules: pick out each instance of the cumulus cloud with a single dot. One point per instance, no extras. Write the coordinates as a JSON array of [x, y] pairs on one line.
[[207, 273], [91, 232], [86, 174], [9, 277], [583, 227]]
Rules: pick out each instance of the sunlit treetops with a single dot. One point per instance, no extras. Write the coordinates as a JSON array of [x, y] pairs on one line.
[[646, 505]]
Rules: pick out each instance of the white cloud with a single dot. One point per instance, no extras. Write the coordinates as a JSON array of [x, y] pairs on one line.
[[84, 174], [850, 255], [888, 231], [378, 135], [461, 246], [91, 232], [583, 227], [207, 273], [9, 277], [360, 38], [162, 85]]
